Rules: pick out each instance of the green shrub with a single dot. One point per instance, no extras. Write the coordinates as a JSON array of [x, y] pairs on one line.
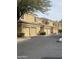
[[20, 34], [60, 31], [43, 33]]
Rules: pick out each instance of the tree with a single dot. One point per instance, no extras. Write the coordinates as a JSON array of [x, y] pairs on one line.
[[24, 6]]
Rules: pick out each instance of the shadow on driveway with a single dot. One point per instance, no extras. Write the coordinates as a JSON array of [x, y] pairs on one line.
[[51, 58]]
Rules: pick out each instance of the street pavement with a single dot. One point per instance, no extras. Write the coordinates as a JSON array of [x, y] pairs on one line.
[[40, 47]]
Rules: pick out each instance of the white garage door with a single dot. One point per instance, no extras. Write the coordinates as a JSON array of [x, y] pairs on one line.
[[32, 31]]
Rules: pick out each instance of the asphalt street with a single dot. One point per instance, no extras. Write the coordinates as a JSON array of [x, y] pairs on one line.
[[40, 47]]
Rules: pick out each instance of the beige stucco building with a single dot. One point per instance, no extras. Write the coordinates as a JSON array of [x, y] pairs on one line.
[[29, 25]]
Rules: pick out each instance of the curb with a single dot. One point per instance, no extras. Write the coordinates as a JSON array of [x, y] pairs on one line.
[[22, 39]]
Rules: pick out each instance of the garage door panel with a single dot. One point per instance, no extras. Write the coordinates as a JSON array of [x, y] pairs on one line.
[[33, 31], [45, 31], [48, 31], [26, 31]]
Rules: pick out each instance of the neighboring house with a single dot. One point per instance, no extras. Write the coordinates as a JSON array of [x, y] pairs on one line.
[[60, 26], [55, 27], [29, 25]]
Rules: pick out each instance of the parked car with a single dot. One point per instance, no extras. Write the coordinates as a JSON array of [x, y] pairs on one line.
[[59, 40]]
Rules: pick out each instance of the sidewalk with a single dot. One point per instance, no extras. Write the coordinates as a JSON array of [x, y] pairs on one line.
[[27, 38], [22, 39]]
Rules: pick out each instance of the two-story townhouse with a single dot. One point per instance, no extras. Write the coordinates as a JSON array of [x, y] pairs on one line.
[[29, 25], [55, 27], [60, 26]]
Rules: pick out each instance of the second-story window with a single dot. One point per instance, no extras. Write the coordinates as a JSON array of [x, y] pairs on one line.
[[46, 22], [54, 24]]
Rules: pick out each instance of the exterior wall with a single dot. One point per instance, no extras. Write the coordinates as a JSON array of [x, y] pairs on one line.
[[60, 26], [38, 20], [19, 27], [50, 23], [41, 29], [29, 18], [55, 30], [36, 25], [19, 30]]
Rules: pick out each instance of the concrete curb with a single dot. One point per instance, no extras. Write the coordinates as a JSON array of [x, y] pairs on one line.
[[22, 39]]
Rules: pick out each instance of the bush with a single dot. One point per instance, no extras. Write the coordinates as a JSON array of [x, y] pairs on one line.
[[20, 34], [60, 31], [43, 33]]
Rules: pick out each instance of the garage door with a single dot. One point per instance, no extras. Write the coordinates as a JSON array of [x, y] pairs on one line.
[[48, 31], [26, 31], [33, 32]]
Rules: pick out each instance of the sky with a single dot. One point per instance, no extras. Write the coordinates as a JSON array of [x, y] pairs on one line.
[[55, 12]]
